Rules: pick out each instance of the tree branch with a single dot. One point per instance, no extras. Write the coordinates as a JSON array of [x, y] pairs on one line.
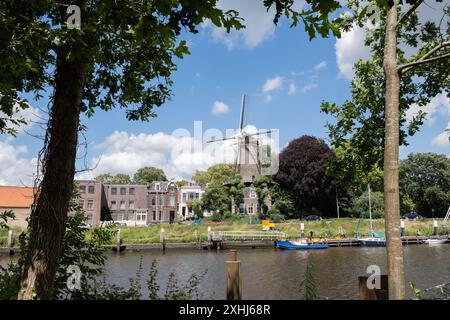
[[411, 10], [424, 59], [409, 66]]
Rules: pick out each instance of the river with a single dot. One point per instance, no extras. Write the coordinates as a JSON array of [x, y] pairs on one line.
[[276, 274]]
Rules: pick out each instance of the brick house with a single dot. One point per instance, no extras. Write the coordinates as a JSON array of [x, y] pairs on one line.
[[162, 202], [128, 203], [92, 199], [19, 200]]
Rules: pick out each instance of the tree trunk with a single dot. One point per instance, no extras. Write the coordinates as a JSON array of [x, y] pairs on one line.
[[391, 185], [49, 216]]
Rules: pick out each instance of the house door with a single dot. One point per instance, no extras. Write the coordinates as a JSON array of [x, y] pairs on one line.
[[172, 216]]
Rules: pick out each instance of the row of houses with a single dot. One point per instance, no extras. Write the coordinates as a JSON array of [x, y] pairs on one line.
[[133, 205]]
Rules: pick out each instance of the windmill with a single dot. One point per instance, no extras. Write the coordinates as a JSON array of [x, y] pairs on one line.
[[247, 161]]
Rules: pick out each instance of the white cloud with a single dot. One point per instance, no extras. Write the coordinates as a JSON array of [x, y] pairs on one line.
[[30, 115], [178, 154], [349, 49], [443, 138], [15, 169], [268, 97], [292, 89], [439, 105], [219, 107], [259, 24], [309, 87], [320, 65], [272, 84]]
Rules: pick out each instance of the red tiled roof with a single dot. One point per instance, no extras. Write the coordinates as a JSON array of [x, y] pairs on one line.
[[16, 197]]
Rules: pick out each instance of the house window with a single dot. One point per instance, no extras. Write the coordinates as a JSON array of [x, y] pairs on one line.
[[157, 187], [161, 200], [184, 197], [89, 219], [172, 201], [131, 191], [91, 189], [82, 189], [160, 215], [153, 200], [250, 209], [123, 191], [131, 204], [197, 195], [90, 204], [113, 191], [122, 205], [113, 205], [81, 203], [154, 215]]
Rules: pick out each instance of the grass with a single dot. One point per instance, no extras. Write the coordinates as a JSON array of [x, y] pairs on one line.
[[328, 228]]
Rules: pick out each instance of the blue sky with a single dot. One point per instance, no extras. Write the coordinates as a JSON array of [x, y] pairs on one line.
[[284, 75]]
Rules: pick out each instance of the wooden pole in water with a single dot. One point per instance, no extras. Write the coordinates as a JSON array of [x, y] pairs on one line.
[[118, 240], [302, 230], [162, 239], [435, 227], [233, 274], [402, 228], [10, 242]]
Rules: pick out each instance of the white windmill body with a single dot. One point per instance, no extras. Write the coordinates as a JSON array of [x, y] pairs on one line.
[[247, 163]]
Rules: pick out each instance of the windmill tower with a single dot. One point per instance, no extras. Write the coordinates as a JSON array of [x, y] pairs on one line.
[[247, 163]]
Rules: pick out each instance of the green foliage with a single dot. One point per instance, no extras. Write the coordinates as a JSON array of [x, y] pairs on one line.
[[147, 175], [4, 217], [120, 178], [425, 179], [308, 288], [416, 291], [303, 175], [197, 207], [222, 185], [358, 128], [127, 48], [377, 200]]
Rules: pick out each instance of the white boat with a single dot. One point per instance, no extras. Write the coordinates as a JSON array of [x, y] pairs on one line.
[[434, 241]]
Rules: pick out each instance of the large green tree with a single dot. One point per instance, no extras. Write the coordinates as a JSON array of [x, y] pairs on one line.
[[224, 187], [121, 55], [373, 124], [303, 174], [147, 175], [425, 179]]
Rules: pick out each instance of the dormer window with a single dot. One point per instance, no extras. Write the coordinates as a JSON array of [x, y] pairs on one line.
[[157, 187]]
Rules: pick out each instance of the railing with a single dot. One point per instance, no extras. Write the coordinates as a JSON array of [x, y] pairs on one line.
[[247, 235]]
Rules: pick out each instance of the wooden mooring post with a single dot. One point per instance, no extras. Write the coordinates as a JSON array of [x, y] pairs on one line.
[[118, 241], [402, 228], [302, 230], [366, 293], [162, 239], [435, 227], [10, 243], [233, 275]]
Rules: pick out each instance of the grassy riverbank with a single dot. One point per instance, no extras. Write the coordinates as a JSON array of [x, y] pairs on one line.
[[328, 228]]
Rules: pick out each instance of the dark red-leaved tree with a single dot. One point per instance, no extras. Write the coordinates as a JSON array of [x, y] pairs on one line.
[[302, 173]]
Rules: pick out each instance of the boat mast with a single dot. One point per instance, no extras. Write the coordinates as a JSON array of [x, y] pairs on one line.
[[370, 211]]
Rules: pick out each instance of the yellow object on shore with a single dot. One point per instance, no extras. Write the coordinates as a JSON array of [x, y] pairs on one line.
[[267, 225]]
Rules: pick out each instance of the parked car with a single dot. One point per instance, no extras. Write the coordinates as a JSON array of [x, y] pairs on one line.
[[85, 225], [311, 217], [411, 216]]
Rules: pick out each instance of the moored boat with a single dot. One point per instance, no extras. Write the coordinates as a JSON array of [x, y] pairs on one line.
[[300, 245], [432, 242], [373, 242]]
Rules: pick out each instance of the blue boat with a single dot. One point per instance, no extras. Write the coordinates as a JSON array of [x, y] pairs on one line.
[[373, 242], [300, 245]]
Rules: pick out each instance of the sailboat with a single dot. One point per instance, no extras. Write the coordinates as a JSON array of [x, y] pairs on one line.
[[375, 239]]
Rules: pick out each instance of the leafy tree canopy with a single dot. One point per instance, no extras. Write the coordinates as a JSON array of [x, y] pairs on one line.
[[147, 175], [120, 178], [303, 174], [425, 179]]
